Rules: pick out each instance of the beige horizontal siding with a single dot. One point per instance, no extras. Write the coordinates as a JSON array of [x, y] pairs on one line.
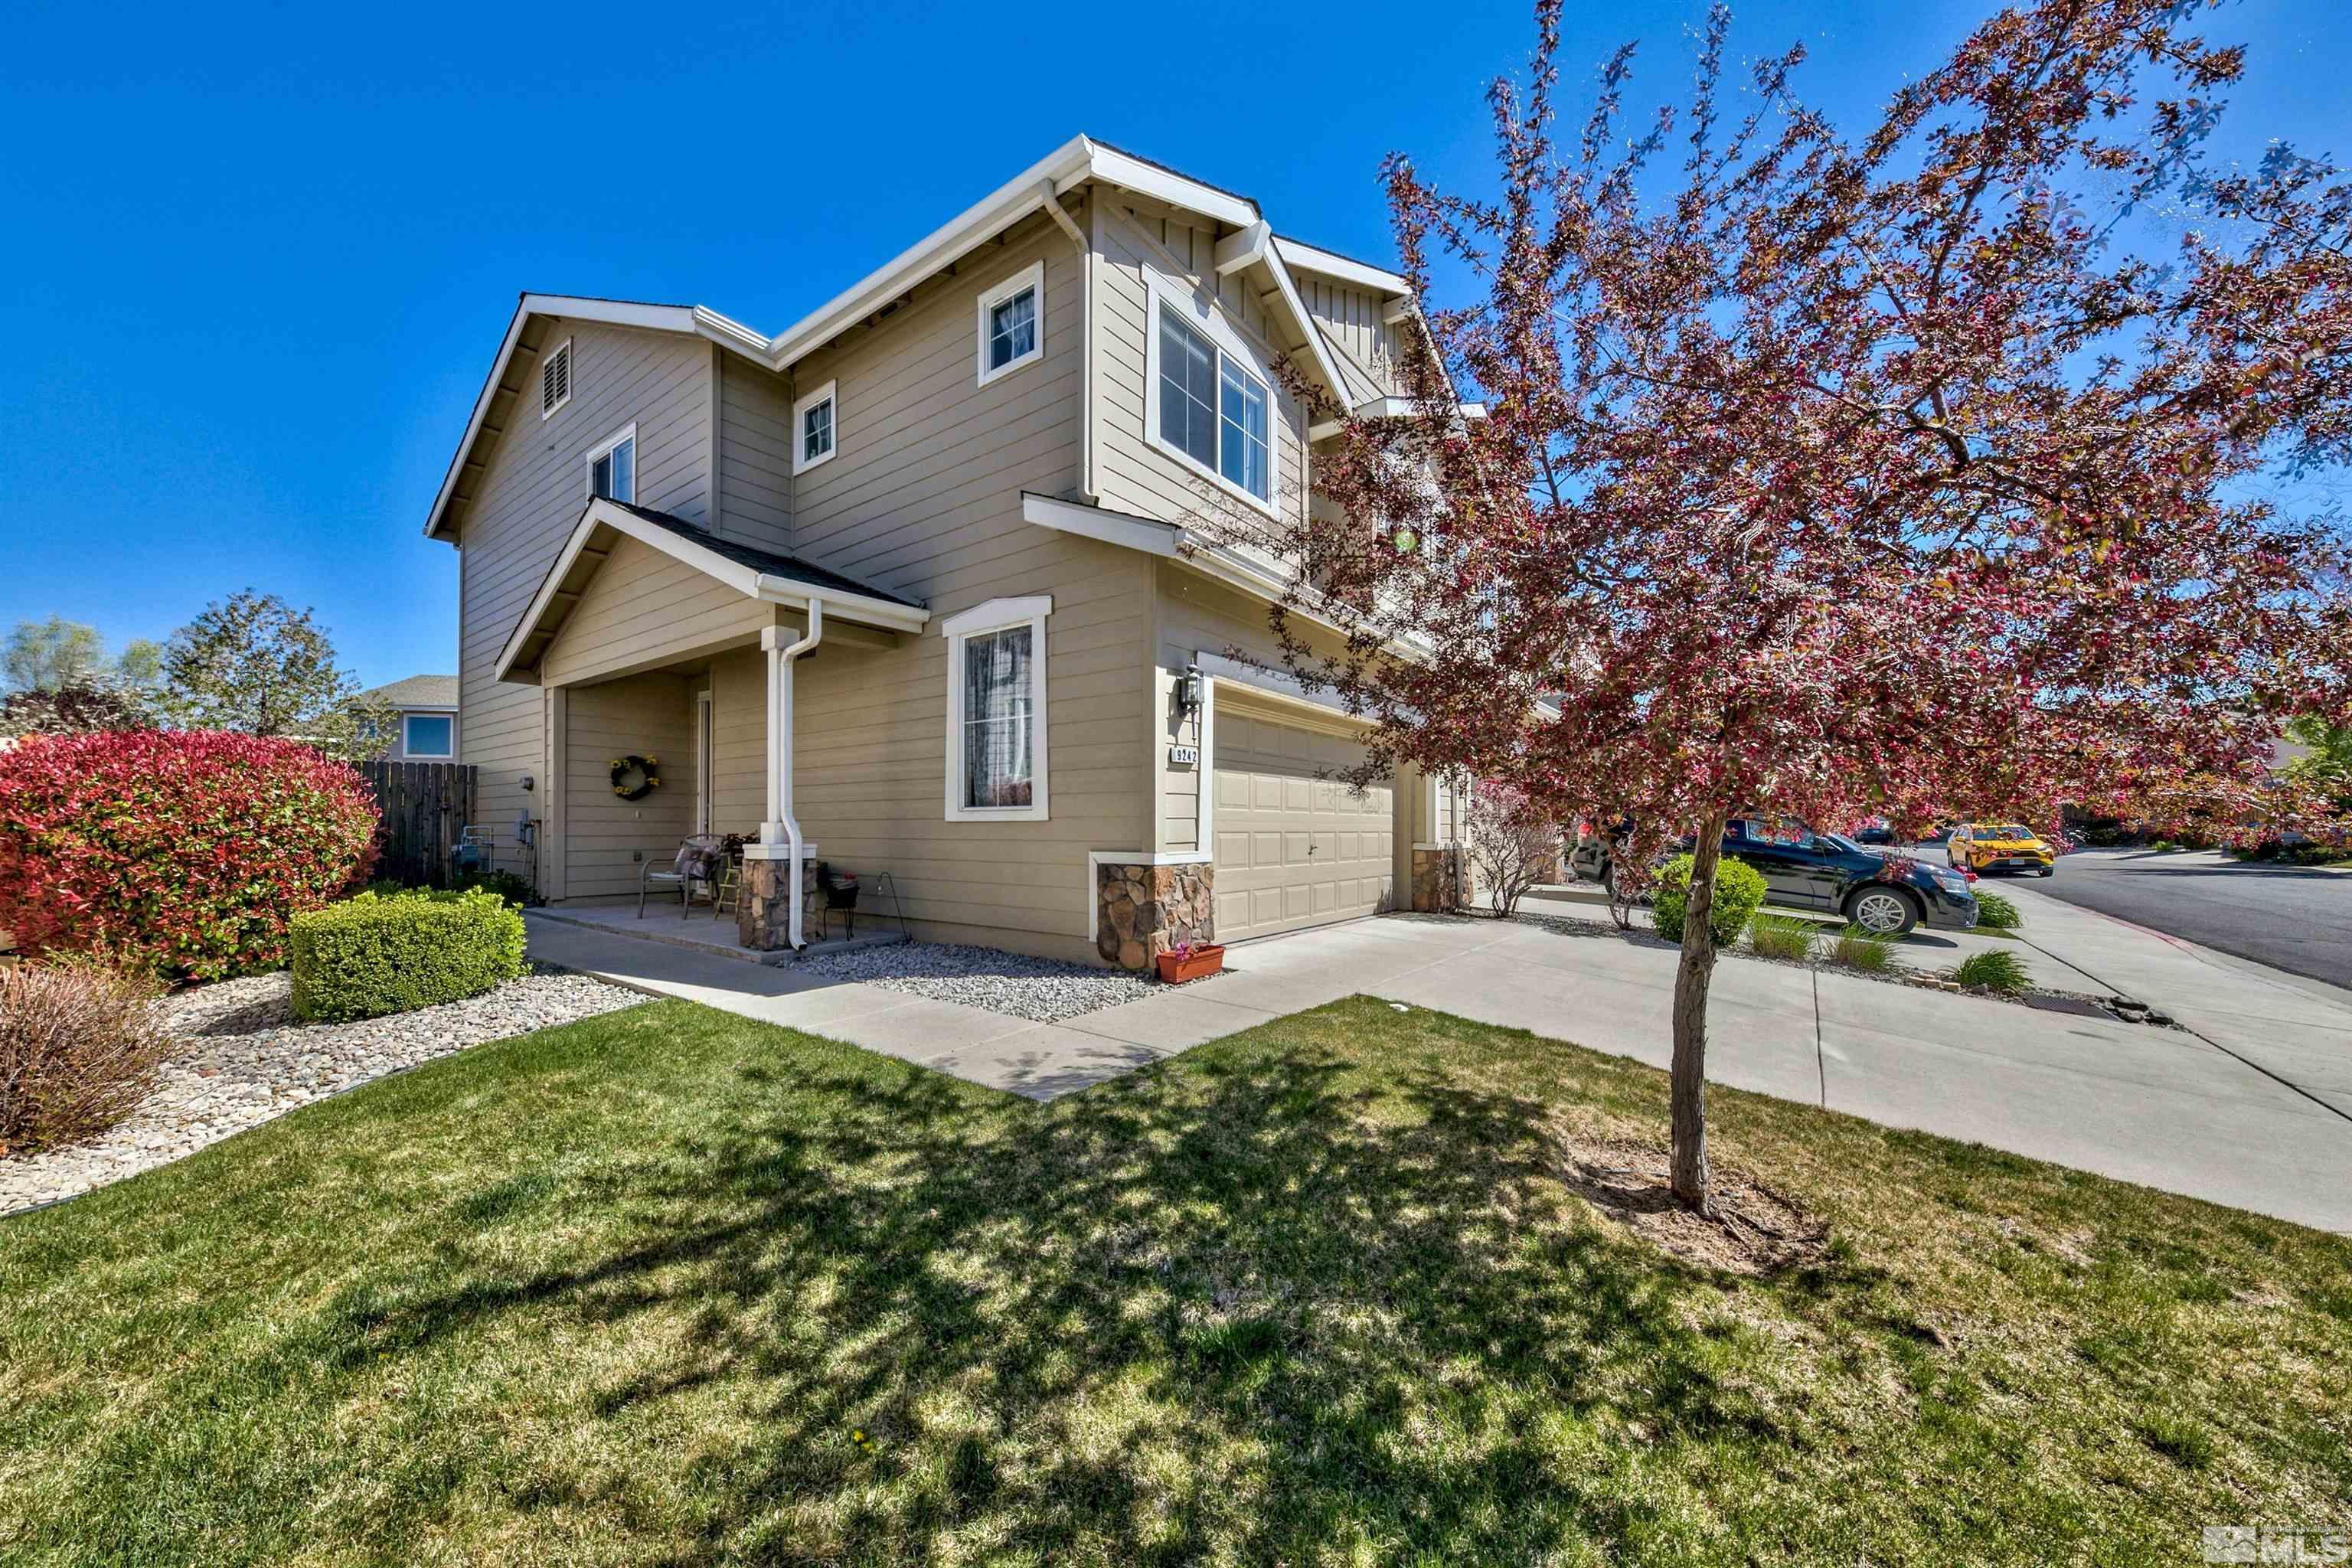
[[607, 840], [532, 493]]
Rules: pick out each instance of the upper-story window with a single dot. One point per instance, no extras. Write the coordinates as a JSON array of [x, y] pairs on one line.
[[613, 465], [555, 379], [1213, 408], [1013, 323], [814, 424]]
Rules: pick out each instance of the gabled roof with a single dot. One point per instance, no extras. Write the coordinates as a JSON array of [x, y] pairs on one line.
[[1073, 165], [418, 692], [762, 574], [765, 562]]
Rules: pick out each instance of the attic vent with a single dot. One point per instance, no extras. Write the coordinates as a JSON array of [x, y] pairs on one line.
[[555, 380]]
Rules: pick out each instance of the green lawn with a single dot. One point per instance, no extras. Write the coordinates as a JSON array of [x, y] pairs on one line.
[[670, 1286]]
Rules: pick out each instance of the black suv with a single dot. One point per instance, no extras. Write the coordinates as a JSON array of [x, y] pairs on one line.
[[1806, 871]]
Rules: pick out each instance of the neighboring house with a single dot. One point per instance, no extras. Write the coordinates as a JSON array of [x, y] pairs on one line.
[[921, 584], [428, 728]]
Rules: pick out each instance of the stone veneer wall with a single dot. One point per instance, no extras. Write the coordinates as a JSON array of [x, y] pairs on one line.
[[1436, 879], [763, 908], [1142, 911]]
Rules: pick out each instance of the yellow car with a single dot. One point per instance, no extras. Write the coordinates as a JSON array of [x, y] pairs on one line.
[[2000, 847]]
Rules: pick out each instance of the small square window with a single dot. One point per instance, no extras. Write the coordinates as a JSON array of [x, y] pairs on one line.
[[1012, 322], [428, 735], [613, 466], [815, 422]]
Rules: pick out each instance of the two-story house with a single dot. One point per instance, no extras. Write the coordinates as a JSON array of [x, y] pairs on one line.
[[921, 584]]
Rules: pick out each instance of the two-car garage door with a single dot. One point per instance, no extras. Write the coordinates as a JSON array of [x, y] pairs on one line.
[[1293, 849]]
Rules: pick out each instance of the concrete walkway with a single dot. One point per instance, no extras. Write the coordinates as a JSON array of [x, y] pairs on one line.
[[2253, 1108]]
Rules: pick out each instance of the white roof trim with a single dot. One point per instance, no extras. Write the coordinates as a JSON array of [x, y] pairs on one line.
[[1073, 163], [1025, 193], [693, 319], [1310, 258], [752, 583], [1146, 534]]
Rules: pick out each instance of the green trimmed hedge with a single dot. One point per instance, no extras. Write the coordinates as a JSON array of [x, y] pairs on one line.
[[1738, 889], [374, 954]]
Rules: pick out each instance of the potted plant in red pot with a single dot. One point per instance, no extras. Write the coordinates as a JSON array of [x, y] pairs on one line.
[[1188, 961]]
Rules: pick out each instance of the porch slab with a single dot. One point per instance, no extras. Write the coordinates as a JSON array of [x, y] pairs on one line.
[[696, 932]]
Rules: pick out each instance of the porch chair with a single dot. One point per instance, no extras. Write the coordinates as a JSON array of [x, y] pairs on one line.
[[697, 860]]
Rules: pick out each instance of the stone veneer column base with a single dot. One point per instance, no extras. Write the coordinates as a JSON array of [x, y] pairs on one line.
[[763, 906], [1141, 910], [1435, 879]]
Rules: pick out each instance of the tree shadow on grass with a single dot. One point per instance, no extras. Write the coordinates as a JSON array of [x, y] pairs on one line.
[[1254, 1308]]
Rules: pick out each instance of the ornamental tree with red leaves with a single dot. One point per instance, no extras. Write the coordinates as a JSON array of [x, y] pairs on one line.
[[182, 852], [1909, 473]]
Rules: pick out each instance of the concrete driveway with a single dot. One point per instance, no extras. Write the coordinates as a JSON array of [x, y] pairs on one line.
[[2253, 1109]]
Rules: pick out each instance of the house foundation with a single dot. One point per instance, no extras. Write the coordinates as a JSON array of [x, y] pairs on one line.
[[1142, 909], [1436, 878]]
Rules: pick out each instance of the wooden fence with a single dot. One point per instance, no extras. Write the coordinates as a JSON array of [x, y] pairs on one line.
[[425, 806]]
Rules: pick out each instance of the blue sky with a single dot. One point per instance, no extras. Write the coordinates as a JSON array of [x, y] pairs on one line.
[[260, 257]]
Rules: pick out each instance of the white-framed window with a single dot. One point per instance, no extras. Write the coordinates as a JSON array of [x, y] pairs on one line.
[[996, 711], [428, 735], [1211, 404], [555, 379], [816, 429], [613, 465], [1013, 323]]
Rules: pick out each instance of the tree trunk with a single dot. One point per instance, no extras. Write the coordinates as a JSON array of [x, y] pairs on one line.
[[1691, 981]]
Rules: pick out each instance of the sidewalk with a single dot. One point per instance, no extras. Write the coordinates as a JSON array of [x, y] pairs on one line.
[[2250, 1111]]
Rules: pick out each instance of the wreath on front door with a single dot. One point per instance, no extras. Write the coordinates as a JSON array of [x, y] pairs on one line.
[[635, 777]]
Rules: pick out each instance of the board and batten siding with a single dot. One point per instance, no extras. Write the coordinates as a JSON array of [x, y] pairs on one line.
[[1363, 345], [532, 493]]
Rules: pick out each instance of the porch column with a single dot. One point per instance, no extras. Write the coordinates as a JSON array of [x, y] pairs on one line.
[[779, 869]]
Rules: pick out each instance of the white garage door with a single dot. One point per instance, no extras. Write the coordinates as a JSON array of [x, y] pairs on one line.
[[1293, 849]]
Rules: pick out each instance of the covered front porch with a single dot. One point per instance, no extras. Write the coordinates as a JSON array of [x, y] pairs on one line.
[[666, 660]]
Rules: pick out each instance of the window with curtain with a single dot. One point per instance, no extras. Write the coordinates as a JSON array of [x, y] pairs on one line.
[[1013, 329], [1213, 408], [998, 718]]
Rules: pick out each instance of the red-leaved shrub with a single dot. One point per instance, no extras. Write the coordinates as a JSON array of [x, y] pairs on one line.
[[184, 852]]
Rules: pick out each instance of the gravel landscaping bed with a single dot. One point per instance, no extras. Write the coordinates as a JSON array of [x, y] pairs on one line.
[[1042, 990], [246, 1061]]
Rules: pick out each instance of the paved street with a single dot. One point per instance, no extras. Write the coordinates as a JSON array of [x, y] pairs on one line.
[[2295, 918]]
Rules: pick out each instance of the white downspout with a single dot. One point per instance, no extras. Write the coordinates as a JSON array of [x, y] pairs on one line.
[[780, 753]]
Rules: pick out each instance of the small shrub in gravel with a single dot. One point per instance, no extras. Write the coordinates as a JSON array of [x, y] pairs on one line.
[[79, 1045], [372, 955], [1866, 950], [2001, 973], [1997, 913], [1781, 936], [1738, 889]]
